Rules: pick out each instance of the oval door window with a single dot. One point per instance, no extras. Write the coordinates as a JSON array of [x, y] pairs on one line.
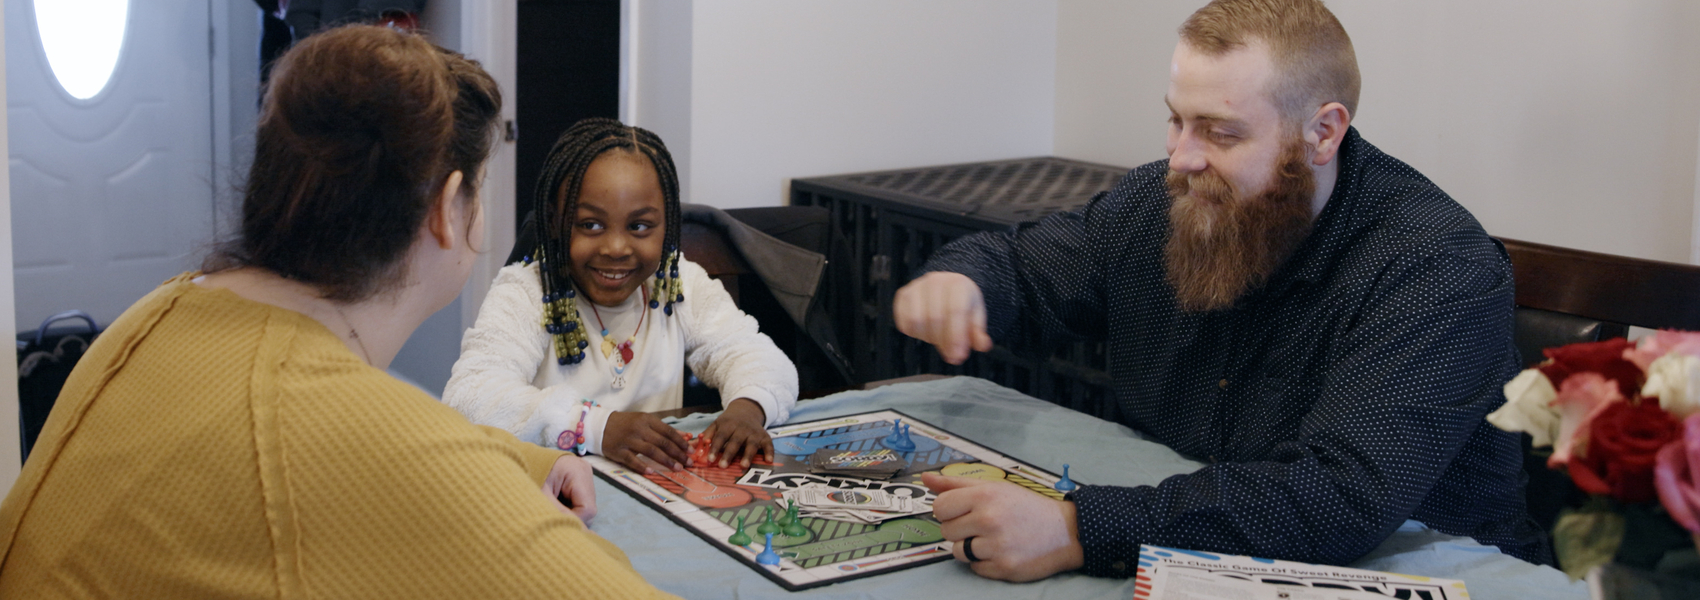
[[81, 39]]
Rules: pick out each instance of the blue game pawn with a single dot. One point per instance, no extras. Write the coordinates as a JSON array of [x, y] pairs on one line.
[[903, 443], [1065, 484], [768, 556], [896, 433], [739, 538]]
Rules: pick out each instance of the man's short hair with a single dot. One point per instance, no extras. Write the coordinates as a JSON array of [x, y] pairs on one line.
[[1313, 57]]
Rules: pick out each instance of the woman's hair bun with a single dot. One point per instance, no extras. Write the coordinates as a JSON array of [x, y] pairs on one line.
[[359, 128]]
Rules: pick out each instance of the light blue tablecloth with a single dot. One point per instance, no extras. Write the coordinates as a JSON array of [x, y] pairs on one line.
[[1046, 435]]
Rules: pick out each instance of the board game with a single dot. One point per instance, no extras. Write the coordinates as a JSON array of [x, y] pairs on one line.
[[850, 526]]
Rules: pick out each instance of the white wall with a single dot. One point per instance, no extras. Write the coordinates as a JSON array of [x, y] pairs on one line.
[[659, 77], [1112, 72], [1568, 122], [236, 108], [11, 446], [789, 88]]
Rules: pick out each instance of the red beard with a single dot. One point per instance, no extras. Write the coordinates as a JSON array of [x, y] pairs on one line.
[[1220, 247]]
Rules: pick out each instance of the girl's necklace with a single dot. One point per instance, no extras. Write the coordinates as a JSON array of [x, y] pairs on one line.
[[621, 356]]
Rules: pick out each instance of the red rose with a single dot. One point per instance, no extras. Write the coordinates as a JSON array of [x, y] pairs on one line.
[[1605, 358], [1623, 443]]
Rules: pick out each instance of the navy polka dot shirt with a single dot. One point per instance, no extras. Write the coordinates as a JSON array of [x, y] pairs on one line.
[[1333, 403]]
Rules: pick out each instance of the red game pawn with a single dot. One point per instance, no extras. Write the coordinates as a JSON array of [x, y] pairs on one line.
[[699, 452]]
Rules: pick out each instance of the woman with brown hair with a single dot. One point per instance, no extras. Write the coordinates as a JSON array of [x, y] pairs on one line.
[[236, 434]]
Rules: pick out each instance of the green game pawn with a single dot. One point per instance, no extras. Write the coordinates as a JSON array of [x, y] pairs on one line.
[[790, 514], [767, 525], [739, 538], [796, 529]]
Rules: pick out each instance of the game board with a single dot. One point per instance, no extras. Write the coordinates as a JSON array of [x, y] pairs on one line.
[[708, 500]]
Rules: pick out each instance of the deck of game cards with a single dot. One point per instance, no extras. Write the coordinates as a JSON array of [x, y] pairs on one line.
[[854, 505], [868, 464]]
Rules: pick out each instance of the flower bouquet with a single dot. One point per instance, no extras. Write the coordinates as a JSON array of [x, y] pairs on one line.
[[1623, 420]]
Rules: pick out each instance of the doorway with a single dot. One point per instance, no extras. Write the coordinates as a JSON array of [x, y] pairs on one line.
[[112, 192], [567, 69]]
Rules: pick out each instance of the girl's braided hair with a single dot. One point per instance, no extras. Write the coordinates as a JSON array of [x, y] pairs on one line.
[[555, 208]]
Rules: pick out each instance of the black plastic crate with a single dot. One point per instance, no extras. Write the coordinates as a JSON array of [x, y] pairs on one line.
[[891, 221]]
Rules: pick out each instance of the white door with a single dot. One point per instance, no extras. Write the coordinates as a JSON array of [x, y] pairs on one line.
[[110, 195]]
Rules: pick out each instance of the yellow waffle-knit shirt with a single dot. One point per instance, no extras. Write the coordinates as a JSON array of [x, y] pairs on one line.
[[211, 446]]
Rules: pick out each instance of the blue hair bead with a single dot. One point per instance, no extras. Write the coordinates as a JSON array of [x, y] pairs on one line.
[[681, 298], [582, 345], [668, 310], [572, 325], [654, 303], [570, 293], [580, 355], [561, 361]]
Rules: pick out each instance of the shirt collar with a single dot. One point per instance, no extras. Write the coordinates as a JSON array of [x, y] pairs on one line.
[[1341, 219]]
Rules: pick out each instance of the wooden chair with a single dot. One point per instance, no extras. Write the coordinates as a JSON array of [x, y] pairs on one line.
[[1566, 296], [709, 249]]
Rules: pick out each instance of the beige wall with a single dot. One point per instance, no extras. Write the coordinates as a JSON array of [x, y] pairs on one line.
[[1569, 122]]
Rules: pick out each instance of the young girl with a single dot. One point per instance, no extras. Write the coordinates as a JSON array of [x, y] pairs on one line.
[[576, 346]]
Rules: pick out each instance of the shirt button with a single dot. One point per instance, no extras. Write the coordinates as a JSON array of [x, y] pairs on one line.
[[1222, 384], [1118, 566]]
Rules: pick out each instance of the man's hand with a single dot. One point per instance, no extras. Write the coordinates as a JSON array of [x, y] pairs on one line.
[[1018, 535], [946, 310], [572, 478], [629, 435], [738, 434]]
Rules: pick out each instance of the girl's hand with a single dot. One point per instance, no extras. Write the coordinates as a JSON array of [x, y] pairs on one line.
[[629, 435], [737, 435]]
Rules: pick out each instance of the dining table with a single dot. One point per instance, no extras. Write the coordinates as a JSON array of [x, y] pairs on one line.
[[1040, 433]]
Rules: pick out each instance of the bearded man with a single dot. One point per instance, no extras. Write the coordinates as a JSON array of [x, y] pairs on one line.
[[1314, 318]]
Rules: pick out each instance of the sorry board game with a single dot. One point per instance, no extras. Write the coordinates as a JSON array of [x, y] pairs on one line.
[[847, 515]]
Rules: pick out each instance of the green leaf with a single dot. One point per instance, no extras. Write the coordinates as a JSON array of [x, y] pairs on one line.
[[1586, 537]]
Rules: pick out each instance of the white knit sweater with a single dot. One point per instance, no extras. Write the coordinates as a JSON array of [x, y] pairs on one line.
[[508, 377]]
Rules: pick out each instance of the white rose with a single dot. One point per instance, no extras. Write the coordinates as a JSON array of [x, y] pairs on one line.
[[1528, 408], [1674, 378]]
